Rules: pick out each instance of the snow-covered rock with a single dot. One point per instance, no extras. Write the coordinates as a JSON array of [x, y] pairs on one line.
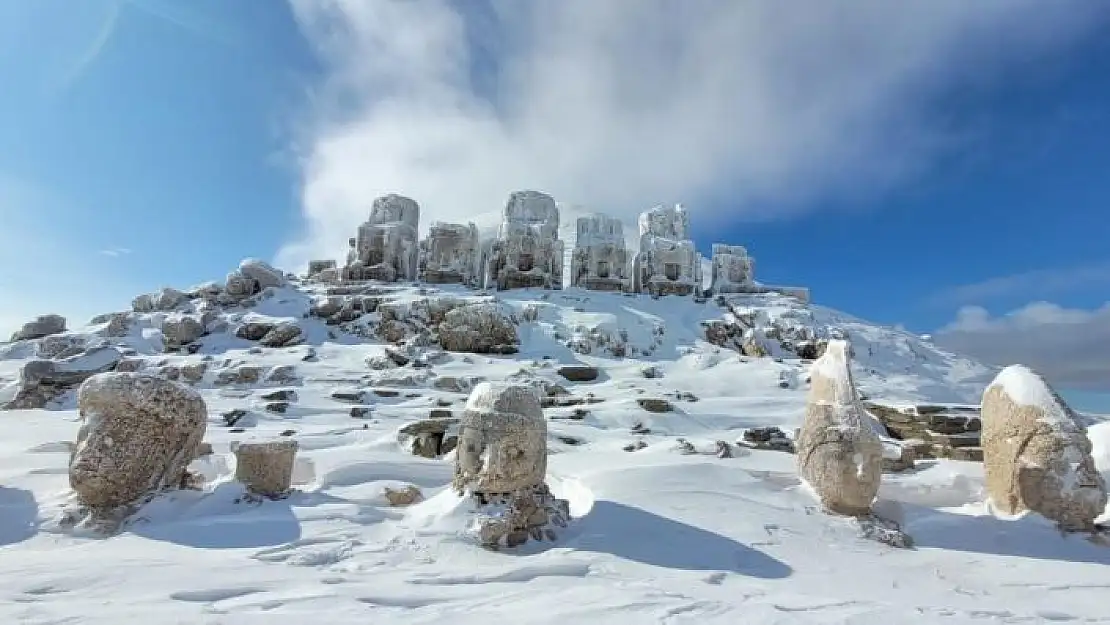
[[733, 269], [387, 246], [839, 455], [139, 434], [480, 329], [262, 273], [1036, 453], [42, 381], [43, 325], [180, 331], [667, 262]]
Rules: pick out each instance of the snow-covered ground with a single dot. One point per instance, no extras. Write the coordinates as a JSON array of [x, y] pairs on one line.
[[658, 535]]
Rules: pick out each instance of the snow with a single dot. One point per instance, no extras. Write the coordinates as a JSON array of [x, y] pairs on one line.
[[657, 535], [1026, 388]]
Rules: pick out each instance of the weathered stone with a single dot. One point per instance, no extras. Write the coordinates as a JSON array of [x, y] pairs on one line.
[[253, 330], [244, 374], [349, 396], [655, 405], [41, 381], [480, 329], [179, 331], [386, 247], [282, 374], [839, 455], [667, 262], [277, 407], [139, 434], [769, 438], [283, 335], [897, 457], [316, 267], [360, 412], [403, 497], [451, 254], [60, 346], [454, 384], [280, 395], [262, 273], [239, 286], [41, 326], [527, 252], [601, 260], [733, 269], [502, 440], [1037, 455], [579, 373], [266, 468]]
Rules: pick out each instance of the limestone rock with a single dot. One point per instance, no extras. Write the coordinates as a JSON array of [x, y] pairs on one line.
[[238, 286], [253, 330], [60, 346], [502, 440], [839, 455], [480, 329], [139, 433], [180, 331], [266, 468], [527, 252], [1036, 453], [579, 373], [431, 438], [41, 381], [403, 497], [450, 254], [283, 335], [509, 520], [601, 260], [262, 273], [41, 326]]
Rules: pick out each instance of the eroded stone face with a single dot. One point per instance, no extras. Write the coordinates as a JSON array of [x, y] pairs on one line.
[[502, 440], [1036, 453], [839, 455], [139, 433]]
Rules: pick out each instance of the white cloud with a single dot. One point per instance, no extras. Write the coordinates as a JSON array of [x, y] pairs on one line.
[[115, 252], [621, 104], [1070, 347], [1037, 283]]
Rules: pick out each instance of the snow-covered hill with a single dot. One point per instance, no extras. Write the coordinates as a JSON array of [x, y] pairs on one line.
[[665, 530]]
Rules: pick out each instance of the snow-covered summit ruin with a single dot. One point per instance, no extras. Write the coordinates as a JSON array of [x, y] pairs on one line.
[[668, 263], [386, 247]]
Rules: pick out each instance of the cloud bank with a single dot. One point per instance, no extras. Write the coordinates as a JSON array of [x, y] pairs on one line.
[[1036, 283], [757, 106], [1068, 346]]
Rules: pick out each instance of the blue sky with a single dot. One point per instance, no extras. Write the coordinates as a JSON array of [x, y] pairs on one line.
[[941, 166]]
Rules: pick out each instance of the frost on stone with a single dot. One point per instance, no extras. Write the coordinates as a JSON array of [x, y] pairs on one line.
[[479, 329], [501, 463], [180, 331], [238, 286], [839, 455], [387, 246], [317, 267], [451, 254], [139, 432], [733, 270], [42, 381], [601, 259], [262, 273], [527, 252], [44, 325], [1036, 452], [164, 300], [266, 468], [668, 262]]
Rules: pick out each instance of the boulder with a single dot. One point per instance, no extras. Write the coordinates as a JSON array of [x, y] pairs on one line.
[[283, 335], [266, 468], [239, 286], [180, 331], [168, 299], [60, 346], [480, 329], [403, 497], [40, 326], [839, 454], [253, 330], [262, 273], [655, 405], [579, 373], [139, 434], [1036, 454]]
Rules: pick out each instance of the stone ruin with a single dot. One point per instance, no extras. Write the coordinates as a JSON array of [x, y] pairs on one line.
[[386, 247], [667, 263], [733, 269], [451, 254], [527, 252], [600, 261], [501, 465]]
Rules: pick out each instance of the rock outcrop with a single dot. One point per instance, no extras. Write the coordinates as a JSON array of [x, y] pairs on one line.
[[839, 454], [501, 463], [1036, 453], [42, 381], [264, 275], [138, 435], [40, 326], [479, 329], [180, 331]]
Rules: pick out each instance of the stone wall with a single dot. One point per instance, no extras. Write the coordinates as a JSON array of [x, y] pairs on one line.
[[934, 431]]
